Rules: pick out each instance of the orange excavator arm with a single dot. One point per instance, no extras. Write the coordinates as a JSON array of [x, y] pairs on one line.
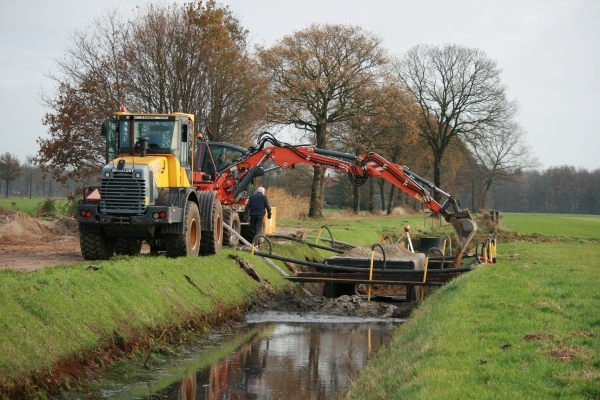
[[233, 181]]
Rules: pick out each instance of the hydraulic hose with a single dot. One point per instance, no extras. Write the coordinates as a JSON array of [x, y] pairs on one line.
[[318, 246], [382, 252], [337, 241], [355, 269]]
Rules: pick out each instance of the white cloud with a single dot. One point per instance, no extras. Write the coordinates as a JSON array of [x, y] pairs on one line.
[[549, 50]]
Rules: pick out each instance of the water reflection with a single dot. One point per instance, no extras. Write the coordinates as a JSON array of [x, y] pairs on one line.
[[286, 361], [314, 359]]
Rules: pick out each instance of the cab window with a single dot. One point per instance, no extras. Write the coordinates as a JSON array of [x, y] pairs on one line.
[[112, 149]]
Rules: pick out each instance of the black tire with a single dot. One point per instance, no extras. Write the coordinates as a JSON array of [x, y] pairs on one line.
[[212, 240], [96, 245], [231, 218], [128, 246], [188, 243], [247, 233]]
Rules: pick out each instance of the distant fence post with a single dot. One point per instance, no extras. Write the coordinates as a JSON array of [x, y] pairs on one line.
[[495, 216]]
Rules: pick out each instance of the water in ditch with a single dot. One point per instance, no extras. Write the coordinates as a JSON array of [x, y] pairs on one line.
[[276, 356]]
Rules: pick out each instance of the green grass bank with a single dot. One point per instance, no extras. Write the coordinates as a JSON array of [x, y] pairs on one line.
[[527, 327], [63, 315]]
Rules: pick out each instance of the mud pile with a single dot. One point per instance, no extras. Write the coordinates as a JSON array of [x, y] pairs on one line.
[[391, 251], [350, 306], [16, 227]]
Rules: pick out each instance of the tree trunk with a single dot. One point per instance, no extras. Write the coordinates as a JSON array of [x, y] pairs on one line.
[[483, 194], [390, 206], [437, 177], [371, 195], [381, 182], [317, 194], [355, 199]]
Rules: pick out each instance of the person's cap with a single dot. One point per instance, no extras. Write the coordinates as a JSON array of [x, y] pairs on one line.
[[260, 190]]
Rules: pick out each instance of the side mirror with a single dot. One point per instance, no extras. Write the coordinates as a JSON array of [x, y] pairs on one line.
[[104, 129], [184, 133]]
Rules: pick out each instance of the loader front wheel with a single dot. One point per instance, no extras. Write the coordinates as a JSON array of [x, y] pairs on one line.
[[187, 243], [96, 245], [128, 246]]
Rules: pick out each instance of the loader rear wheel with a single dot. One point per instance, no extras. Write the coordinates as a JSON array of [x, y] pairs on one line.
[[231, 218], [96, 245], [187, 243], [212, 240], [128, 246]]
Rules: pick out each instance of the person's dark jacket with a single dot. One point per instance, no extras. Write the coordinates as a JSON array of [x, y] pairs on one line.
[[257, 204]]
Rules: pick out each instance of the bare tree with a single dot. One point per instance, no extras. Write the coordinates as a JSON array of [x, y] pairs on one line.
[[501, 154], [30, 173], [10, 169], [159, 58], [321, 76], [196, 59], [459, 92]]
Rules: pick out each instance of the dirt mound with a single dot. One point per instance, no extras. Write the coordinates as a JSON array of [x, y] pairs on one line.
[[65, 226], [391, 251], [16, 226], [351, 306], [27, 244]]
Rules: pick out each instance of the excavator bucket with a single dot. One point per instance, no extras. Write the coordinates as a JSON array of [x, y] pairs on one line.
[[465, 228]]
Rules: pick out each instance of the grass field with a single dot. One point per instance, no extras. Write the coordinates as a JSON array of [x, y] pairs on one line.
[[527, 327], [368, 229], [557, 225], [29, 206]]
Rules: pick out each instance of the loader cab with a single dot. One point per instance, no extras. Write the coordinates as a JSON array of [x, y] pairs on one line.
[[214, 157], [165, 134]]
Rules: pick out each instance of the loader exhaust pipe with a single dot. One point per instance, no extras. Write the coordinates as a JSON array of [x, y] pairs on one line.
[[143, 143]]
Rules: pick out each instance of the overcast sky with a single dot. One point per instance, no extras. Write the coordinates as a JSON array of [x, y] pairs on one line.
[[549, 51]]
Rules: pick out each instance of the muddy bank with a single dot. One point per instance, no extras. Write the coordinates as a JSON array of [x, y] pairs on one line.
[[346, 306]]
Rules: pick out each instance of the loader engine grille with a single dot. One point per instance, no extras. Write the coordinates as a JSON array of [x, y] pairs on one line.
[[123, 194]]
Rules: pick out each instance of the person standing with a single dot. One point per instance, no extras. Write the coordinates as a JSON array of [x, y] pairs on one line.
[[257, 205]]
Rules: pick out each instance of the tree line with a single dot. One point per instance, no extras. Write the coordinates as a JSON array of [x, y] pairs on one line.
[[441, 110], [25, 179], [563, 189]]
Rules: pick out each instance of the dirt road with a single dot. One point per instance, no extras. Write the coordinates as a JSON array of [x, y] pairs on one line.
[[27, 243]]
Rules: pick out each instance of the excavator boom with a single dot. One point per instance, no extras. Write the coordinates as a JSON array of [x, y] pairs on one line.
[[234, 179]]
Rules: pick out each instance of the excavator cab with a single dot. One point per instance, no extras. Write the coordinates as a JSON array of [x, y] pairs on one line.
[[213, 157]]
